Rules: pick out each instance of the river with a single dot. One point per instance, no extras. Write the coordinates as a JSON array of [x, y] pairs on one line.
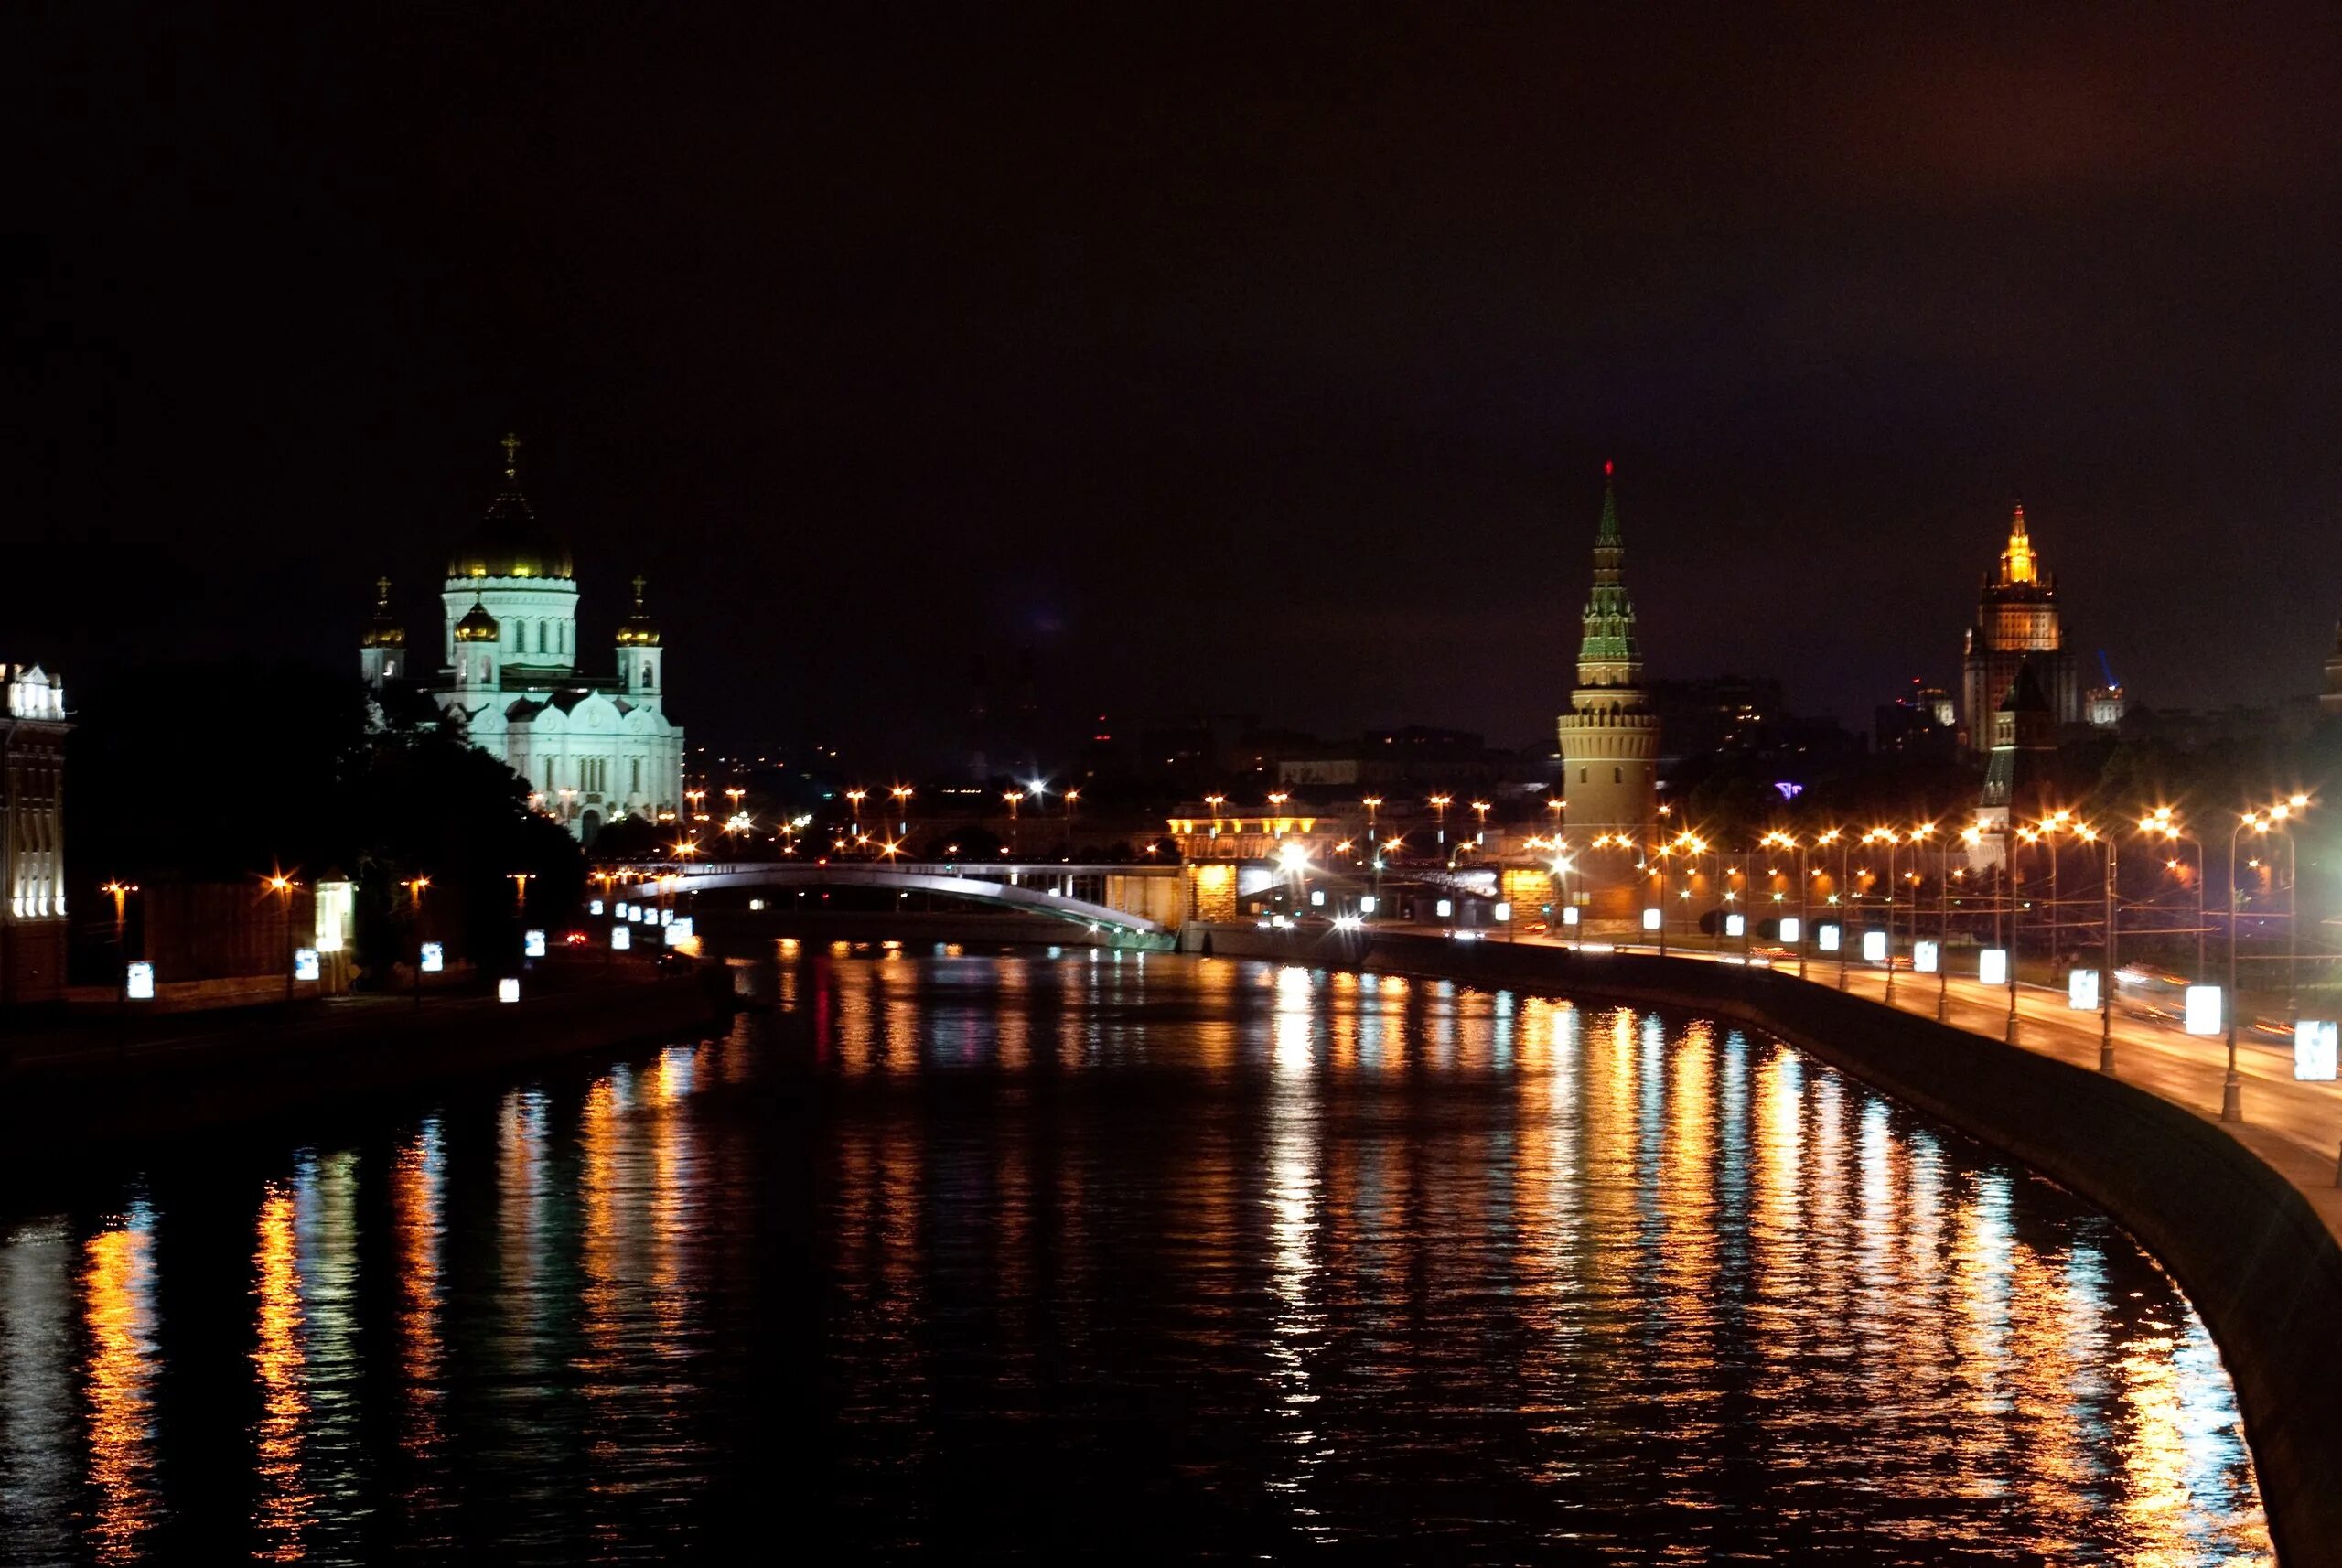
[[1053, 1254]]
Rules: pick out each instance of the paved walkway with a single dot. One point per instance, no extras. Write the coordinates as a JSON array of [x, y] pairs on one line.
[[2295, 1128]]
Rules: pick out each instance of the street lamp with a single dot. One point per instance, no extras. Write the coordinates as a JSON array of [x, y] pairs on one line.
[[282, 886], [902, 794], [1439, 809], [2277, 818], [2162, 823], [414, 889], [1778, 839], [856, 796]]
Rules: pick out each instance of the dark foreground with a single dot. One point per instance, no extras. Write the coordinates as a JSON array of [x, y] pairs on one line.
[[1022, 1257]]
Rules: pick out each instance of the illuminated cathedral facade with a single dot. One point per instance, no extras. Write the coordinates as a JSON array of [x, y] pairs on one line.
[[596, 749]]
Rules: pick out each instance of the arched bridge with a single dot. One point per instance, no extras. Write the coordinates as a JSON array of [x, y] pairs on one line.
[[1135, 900]]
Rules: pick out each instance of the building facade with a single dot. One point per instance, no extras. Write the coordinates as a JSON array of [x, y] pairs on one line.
[[596, 749], [32, 835], [2016, 620], [1609, 738]]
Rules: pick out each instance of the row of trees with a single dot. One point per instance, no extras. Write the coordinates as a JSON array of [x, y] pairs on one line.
[[232, 772]]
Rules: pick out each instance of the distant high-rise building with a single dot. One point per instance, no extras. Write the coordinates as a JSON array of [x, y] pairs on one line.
[[2016, 618], [1609, 738]]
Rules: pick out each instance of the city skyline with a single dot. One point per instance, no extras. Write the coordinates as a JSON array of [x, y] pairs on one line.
[[1195, 362]]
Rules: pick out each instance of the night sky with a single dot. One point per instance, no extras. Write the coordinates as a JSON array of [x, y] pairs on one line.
[[1231, 361]]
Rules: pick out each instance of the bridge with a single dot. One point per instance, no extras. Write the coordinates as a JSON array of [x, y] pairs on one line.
[[1141, 902]]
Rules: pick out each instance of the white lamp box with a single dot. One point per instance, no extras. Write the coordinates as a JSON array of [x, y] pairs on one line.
[[2313, 1050], [2203, 1010]]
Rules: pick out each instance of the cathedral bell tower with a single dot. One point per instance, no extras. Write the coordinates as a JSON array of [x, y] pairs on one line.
[[639, 653], [382, 647], [1609, 738]]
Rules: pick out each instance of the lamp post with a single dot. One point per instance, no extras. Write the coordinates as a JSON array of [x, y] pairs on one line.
[[2283, 811], [902, 794], [1838, 896], [1439, 809], [414, 891], [282, 885], [1016, 798], [2232, 1086], [1073, 799], [856, 796], [1562, 877], [2089, 834], [1653, 863], [1890, 838], [2161, 823], [120, 890], [1780, 839]]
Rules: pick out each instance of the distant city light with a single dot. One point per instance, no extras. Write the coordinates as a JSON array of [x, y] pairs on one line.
[[507, 989]]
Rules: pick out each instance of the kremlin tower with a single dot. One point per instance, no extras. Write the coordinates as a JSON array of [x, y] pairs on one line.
[[1609, 738]]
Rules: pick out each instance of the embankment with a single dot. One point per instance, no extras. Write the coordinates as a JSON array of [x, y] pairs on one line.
[[75, 1085], [2255, 1259]]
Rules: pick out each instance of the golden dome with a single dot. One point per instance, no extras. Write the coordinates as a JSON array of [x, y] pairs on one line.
[[381, 631], [477, 625], [638, 630], [509, 542]]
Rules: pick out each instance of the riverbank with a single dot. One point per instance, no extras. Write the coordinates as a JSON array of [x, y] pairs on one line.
[[120, 1078], [2258, 1262]]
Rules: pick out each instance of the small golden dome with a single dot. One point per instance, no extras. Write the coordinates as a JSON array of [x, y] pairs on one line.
[[477, 625], [638, 630]]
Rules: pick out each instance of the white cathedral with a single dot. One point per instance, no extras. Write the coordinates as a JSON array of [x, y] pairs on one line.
[[596, 749]]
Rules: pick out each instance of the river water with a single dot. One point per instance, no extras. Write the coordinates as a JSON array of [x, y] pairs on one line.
[[1044, 1256]]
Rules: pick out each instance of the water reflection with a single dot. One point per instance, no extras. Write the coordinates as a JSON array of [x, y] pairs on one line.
[[1243, 1259], [118, 1305]]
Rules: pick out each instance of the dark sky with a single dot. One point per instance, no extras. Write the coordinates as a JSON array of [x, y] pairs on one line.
[[1232, 361]]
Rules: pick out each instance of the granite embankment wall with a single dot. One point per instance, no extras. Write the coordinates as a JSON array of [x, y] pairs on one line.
[[67, 1087], [2251, 1255]]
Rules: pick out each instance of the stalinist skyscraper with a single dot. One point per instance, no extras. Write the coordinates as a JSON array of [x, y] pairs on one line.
[[1609, 736]]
